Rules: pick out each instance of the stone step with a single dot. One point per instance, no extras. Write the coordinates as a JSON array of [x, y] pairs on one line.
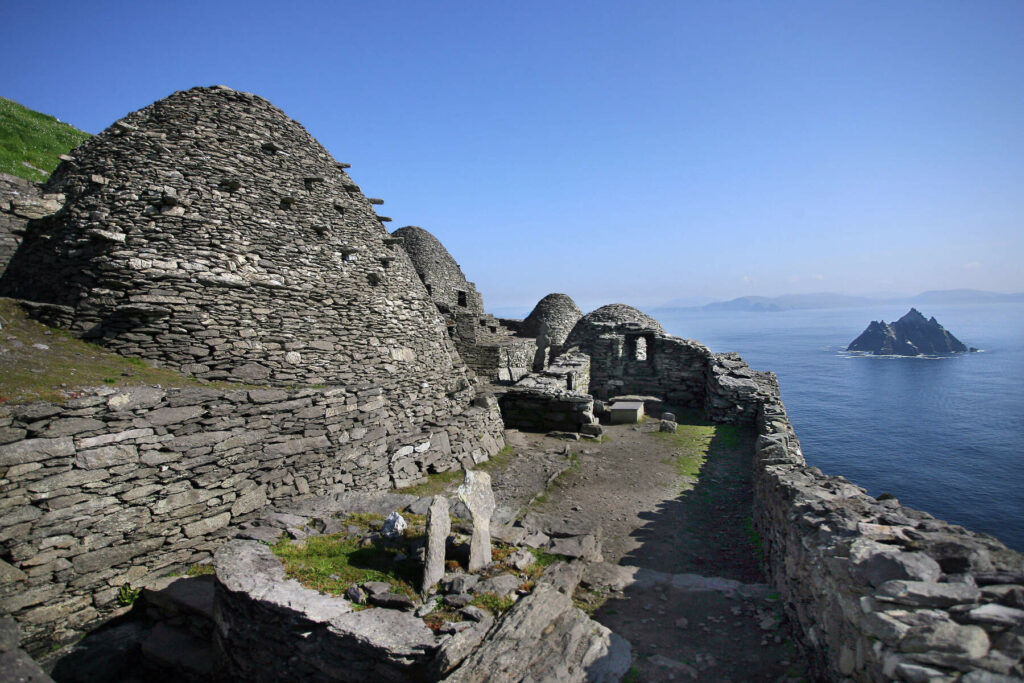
[[619, 577], [179, 652]]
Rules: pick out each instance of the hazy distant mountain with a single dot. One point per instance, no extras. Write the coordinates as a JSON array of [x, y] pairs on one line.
[[788, 302], [964, 296]]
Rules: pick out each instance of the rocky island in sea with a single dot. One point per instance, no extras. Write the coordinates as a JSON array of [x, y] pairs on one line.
[[911, 335]]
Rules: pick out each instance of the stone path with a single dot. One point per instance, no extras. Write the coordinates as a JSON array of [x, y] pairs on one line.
[[681, 579]]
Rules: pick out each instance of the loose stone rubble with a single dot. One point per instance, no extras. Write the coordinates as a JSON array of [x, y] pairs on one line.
[[320, 637]]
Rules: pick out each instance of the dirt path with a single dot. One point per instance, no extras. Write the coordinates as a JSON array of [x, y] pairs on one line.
[[673, 505]]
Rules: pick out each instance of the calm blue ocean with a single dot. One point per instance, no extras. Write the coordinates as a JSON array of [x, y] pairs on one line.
[[944, 435]]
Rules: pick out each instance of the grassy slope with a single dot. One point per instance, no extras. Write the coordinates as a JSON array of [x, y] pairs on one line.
[[38, 139], [30, 373]]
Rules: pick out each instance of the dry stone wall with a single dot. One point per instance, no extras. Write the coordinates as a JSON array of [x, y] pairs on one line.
[[554, 399], [122, 486], [880, 591]]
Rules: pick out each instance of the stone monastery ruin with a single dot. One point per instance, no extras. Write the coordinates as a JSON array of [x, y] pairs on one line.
[[211, 234]]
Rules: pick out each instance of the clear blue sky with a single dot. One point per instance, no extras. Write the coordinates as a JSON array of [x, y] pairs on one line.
[[615, 151]]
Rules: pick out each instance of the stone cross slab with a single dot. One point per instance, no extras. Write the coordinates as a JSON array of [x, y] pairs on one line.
[[476, 493], [439, 525]]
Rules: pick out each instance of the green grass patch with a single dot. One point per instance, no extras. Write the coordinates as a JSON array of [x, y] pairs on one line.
[[330, 564], [31, 373], [29, 137], [499, 460], [690, 444], [435, 484], [493, 603], [200, 570]]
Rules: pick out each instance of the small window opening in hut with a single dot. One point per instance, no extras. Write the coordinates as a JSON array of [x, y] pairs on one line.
[[462, 299], [639, 348]]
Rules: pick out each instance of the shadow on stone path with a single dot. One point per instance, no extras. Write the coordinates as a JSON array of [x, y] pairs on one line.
[[672, 535]]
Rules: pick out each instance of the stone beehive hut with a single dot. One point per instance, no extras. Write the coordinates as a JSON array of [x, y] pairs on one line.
[[610, 318], [444, 280], [554, 316], [493, 350], [212, 233]]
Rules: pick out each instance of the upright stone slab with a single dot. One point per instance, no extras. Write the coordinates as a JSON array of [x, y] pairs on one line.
[[477, 495], [439, 525]]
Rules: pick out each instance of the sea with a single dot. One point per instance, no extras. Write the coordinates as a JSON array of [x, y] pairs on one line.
[[942, 434]]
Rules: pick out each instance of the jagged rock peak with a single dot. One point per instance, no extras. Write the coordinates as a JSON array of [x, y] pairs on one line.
[[911, 335], [555, 315], [445, 282]]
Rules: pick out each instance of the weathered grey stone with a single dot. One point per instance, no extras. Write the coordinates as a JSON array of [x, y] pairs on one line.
[[394, 525], [915, 673], [393, 601], [10, 573], [206, 526], [135, 398], [584, 547], [521, 559], [502, 585], [168, 416], [997, 615], [116, 437], [180, 500], [294, 446], [563, 576], [474, 613], [114, 555], [67, 479], [926, 593], [877, 563], [454, 650], [949, 638], [249, 502], [439, 526], [459, 583], [18, 667], [457, 600], [34, 450], [9, 634], [476, 493], [377, 587], [70, 426], [107, 456], [543, 637]]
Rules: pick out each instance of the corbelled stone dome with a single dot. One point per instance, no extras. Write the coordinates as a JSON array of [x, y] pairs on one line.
[[610, 318], [442, 276], [210, 232], [554, 315]]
